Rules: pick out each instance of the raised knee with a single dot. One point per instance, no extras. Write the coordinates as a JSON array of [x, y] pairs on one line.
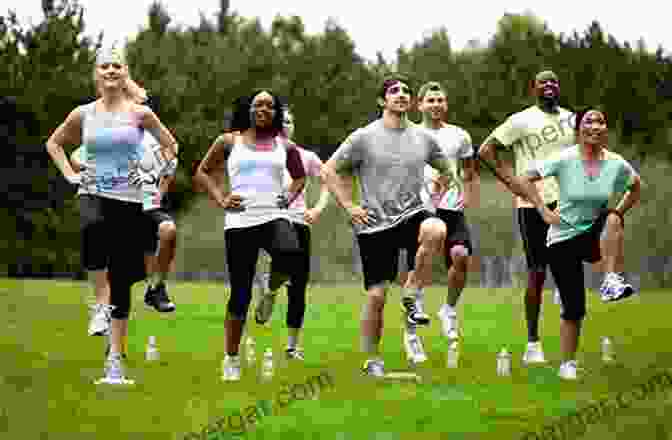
[[614, 221], [167, 231], [376, 294], [432, 231]]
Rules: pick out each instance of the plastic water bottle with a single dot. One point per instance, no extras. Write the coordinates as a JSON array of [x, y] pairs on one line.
[[250, 353], [267, 366], [453, 356], [504, 363], [607, 350], [152, 353]]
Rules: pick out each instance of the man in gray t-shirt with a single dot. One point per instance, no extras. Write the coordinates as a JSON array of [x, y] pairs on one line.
[[388, 158]]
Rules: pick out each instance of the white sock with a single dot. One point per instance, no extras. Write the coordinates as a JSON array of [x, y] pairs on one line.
[[292, 340], [420, 299], [448, 309]]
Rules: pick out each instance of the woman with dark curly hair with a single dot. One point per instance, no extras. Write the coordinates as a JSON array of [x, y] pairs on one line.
[[255, 155]]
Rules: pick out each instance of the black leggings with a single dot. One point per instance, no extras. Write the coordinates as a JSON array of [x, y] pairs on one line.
[[296, 291], [276, 237], [113, 234]]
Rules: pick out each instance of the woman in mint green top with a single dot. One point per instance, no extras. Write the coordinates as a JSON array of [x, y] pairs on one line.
[[588, 176]]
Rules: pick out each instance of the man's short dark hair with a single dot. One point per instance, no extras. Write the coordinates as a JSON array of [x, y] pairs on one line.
[[391, 80]]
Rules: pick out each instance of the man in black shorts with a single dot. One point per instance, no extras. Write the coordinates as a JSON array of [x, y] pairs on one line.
[[533, 134], [161, 244], [388, 157]]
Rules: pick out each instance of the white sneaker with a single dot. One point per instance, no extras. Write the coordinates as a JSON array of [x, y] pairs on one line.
[[534, 354], [414, 350], [114, 372], [614, 288], [568, 370], [101, 318], [231, 368], [449, 325], [374, 368]]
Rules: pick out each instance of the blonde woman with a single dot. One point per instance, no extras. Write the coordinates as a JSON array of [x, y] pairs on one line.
[[113, 224]]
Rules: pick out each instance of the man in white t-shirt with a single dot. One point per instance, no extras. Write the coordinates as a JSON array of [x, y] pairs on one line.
[[449, 204], [532, 134], [302, 218]]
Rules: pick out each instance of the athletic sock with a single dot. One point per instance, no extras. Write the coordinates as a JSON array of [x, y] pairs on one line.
[[408, 293], [157, 278], [292, 339], [420, 299]]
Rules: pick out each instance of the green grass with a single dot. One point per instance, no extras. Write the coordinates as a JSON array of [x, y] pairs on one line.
[[49, 363]]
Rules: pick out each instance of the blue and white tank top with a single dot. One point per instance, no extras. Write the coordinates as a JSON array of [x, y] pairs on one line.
[[113, 145], [257, 176]]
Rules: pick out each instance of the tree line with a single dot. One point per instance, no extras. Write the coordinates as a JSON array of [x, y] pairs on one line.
[[194, 73]]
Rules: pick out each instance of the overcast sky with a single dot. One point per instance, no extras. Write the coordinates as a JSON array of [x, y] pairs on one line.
[[384, 26]]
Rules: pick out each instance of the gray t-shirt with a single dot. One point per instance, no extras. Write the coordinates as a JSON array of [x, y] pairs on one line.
[[389, 164]]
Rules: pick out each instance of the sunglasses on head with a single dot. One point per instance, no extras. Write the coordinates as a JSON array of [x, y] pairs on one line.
[[399, 88]]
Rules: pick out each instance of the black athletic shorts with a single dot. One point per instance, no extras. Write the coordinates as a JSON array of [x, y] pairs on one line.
[[533, 232], [156, 217], [113, 234], [566, 260], [458, 232], [379, 251]]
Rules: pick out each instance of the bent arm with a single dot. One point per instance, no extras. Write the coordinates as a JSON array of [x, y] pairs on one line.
[[69, 132], [339, 185], [631, 197], [212, 163], [169, 146]]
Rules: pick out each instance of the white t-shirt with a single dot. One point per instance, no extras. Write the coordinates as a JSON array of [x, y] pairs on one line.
[[456, 144], [536, 135], [312, 165]]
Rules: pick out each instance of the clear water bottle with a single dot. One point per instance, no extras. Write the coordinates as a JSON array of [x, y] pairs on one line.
[[267, 366], [607, 350], [504, 363], [453, 356], [250, 353], [152, 353]]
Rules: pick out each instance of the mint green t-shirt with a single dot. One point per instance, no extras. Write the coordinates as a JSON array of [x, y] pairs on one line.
[[582, 197]]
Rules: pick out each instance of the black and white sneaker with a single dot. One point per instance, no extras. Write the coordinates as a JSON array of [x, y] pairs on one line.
[[157, 298], [294, 354], [413, 316]]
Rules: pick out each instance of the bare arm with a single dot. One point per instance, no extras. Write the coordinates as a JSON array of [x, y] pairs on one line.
[[504, 169], [340, 186], [472, 181], [211, 165], [324, 197], [69, 132], [631, 197], [151, 123]]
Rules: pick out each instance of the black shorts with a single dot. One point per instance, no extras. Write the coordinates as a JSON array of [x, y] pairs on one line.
[[533, 232], [379, 251], [113, 233], [156, 217], [458, 232], [566, 263]]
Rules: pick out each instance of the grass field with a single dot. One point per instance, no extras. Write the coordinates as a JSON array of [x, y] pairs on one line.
[[49, 363]]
